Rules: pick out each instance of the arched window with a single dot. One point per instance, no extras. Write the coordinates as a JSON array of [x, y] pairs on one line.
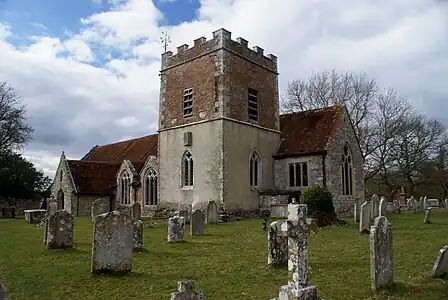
[[254, 169], [187, 169], [347, 171], [60, 199], [150, 187], [125, 188]]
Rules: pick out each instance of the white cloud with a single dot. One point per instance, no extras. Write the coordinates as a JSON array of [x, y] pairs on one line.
[[74, 104]]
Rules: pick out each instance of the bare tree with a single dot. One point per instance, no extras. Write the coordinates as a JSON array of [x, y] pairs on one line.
[[14, 132]]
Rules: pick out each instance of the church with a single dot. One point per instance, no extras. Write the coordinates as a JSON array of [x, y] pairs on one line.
[[221, 138]]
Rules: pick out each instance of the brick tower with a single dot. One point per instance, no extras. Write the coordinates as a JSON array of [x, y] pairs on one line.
[[218, 123]]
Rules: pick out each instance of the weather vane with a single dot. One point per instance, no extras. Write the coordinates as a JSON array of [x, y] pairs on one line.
[[165, 39]]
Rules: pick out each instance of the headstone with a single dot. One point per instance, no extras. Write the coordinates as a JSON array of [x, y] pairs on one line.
[[112, 243], [396, 204], [197, 223], [212, 213], [402, 197], [425, 204], [381, 265], [304, 293], [59, 230], [138, 234], [446, 203], [409, 204], [421, 204], [176, 227], [364, 221], [414, 206], [440, 268], [356, 210], [185, 212], [136, 211], [186, 290], [278, 243], [374, 211], [433, 203], [383, 207], [390, 208], [99, 206], [428, 216]]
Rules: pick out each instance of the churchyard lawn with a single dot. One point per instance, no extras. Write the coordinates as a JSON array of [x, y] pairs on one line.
[[229, 262]]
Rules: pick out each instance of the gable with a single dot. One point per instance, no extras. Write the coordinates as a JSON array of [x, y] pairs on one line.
[[134, 150], [308, 132]]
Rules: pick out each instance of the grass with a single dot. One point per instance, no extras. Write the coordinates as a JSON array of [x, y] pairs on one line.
[[229, 262]]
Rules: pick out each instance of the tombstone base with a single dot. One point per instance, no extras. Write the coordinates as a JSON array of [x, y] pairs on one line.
[[110, 272], [288, 292]]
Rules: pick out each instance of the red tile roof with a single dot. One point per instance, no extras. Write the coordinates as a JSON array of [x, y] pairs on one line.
[[135, 150], [308, 132], [93, 178]]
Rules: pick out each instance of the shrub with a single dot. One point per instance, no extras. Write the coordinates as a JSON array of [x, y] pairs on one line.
[[320, 205]]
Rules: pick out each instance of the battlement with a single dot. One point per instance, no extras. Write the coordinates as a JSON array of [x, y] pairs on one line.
[[221, 40]]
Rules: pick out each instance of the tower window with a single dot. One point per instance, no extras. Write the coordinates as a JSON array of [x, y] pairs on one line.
[[253, 105], [188, 102]]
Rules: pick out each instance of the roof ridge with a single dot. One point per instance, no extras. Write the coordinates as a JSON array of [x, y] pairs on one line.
[[326, 108], [129, 140]]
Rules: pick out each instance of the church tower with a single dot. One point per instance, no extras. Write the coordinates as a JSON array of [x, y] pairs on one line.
[[218, 123]]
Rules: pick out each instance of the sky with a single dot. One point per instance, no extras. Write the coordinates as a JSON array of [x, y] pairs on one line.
[[87, 70]]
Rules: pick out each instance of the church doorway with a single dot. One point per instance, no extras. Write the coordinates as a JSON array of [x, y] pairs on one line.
[[60, 199]]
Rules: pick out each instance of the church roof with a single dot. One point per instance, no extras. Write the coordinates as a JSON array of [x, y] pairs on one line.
[[307, 132], [93, 177], [135, 150]]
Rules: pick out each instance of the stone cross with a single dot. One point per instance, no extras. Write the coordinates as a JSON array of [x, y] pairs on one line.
[[136, 211], [428, 216], [212, 213], [59, 232], [176, 227], [374, 206], [197, 223], [112, 243], [440, 268], [381, 265], [297, 227], [364, 221], [186, 290], [278, 243], [137, 237], [383, 207]]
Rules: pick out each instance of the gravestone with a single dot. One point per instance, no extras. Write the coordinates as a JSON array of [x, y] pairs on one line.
[[186, 290], [136, 211], [197, 223], [374, 211], [383, 207], [99, 206], [425, 204], [112, 243], [278, 243], [52, 208], [364, 221], [421, 204], [176, 227], [409, 204], [440, 268], [212, 213], [428, 216], [184, 211], [381, 265], [414, 206], [446, 203], [138, 234], [59, 230]]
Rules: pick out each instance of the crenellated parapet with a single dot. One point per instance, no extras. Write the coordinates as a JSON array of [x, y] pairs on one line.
[[221, 40]]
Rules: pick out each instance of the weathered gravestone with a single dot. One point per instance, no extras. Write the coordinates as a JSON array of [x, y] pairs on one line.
[[414, 206], [112, 243], [99, 206], [425, 204], [383, 207], [197, 223], [184, 211], [212, 213], [176, 227], [278, 243], [186, 290], [364, 221], [52, 207], [136, 211], [297, 228], [440, 268], [381, 265], [421, 207], [374, 202], [60, 230], [428, 216], [138, 234]]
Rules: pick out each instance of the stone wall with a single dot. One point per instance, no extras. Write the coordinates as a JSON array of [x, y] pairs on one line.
[[333, 163], [21, 205]]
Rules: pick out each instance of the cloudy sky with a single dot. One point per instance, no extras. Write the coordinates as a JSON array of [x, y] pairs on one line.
[[88, 69]]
